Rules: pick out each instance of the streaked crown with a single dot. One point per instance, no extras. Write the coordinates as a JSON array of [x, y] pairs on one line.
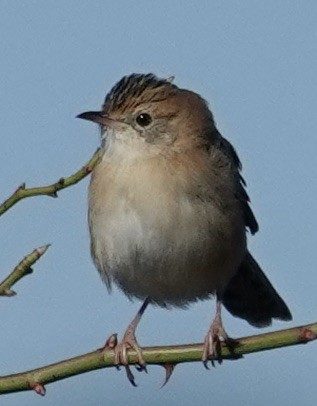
[[136, 89]]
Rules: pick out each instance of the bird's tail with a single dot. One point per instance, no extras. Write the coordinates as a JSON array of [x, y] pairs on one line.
[[251, 296]]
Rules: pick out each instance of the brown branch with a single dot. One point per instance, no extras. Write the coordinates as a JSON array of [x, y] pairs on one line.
[[164, 356], [51, 190], [21, 270]]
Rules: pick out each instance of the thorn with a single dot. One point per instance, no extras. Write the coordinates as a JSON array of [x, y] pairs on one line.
[[169, 369], [307, 335], [53, 194], [8, 292], [111, 343], [39, 389]]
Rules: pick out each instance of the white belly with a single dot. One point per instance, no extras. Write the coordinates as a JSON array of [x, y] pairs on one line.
[[154, 243]]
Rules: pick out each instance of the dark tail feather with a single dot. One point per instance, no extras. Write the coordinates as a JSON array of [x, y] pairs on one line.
[[251, 296]]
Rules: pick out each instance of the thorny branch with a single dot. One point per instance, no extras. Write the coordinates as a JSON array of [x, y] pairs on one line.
[[167, 356], [50, 190]]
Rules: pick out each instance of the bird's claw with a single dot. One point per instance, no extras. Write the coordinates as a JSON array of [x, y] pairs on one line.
[[121, 352], [121, 355], [212, 343]]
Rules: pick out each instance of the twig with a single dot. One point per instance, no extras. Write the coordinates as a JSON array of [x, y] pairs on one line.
[[21, 270], [50, 190], [167, 355]]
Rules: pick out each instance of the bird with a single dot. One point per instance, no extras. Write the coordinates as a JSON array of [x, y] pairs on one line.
[[168, 211]]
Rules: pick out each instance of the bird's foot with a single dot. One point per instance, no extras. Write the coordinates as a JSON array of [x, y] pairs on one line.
[[121, 355], [212, 343], [121, 350], [128, 341]]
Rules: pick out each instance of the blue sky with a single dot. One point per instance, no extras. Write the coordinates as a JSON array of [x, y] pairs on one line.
[[256, 63]]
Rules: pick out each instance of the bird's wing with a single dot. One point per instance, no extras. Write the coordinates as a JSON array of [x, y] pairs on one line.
[[241, 193]]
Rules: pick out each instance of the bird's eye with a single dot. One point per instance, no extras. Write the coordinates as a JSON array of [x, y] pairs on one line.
[[144, 119]]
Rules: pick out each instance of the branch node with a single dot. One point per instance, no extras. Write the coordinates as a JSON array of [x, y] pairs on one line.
[[61, 181], [28, 270], [20, 187], [307, 335], [111, 343], [87, 169]]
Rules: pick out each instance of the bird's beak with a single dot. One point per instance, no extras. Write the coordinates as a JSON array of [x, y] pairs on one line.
[[95, 116]]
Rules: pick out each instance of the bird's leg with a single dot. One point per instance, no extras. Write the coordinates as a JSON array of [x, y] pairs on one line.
[[215, 334], [129, 341]]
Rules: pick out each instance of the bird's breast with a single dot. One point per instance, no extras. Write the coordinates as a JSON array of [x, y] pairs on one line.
[[154, 235]]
